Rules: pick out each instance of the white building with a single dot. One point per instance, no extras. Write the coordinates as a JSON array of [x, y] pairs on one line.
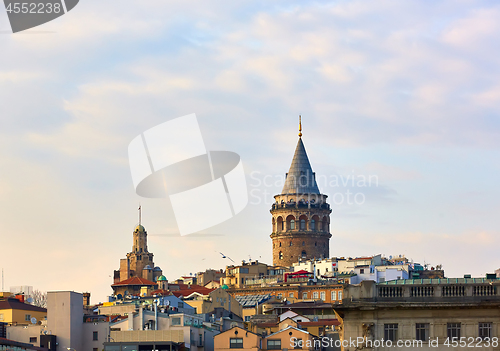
[[329, 267], [380, 274]]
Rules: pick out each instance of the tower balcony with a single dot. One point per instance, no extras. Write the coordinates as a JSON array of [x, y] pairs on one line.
[[301, 205]]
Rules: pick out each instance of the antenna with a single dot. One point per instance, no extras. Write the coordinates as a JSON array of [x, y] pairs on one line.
[[2, 281], [140, 214]]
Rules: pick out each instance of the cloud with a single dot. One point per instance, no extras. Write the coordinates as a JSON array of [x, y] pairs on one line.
[[384, 86]]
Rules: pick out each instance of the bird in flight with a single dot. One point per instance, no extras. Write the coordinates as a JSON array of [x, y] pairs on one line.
[[224, 256]]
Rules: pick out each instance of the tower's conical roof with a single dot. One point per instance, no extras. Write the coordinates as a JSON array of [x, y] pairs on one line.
[[300, 178]]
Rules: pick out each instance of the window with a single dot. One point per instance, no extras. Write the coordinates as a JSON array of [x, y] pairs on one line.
[[315, 295], [282, 225], [322, 295], [313, 224], [273, 344], [291, 294], [340, 295], [391, 332], [422, 331], [247, 318], [95, 336], [334, 295], [485, 330], [1, 316], [200, 340], [304, 295], [303, 243], [236, 343], [291, 243], [176, 321], [95, 349], [292, 224], [280, 296], [281, 255], [302, 224], [180, 304], [27, 317], [304, 254], [454, 330], [32, 338], [362, 271], [298, 344], [243, 270]]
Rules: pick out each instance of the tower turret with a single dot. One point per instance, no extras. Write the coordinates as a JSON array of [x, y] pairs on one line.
[[300, 214]]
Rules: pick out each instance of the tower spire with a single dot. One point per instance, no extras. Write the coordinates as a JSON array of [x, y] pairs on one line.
[[300, 126]]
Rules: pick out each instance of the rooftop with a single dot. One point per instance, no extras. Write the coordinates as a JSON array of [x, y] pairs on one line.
[[440, 281], [135, 281]]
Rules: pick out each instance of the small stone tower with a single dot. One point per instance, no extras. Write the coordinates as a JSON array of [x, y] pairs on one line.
[[300, 214], [139, 258]]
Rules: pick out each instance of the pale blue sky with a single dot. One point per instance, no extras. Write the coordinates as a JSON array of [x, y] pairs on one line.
[[407, 91]]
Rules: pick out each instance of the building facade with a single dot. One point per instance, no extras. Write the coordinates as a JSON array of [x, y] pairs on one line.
[[427, 314]]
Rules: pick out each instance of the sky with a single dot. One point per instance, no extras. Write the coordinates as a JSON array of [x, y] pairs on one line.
[[404, 94]]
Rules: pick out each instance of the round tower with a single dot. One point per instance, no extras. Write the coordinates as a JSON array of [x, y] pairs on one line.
[[300, 214]]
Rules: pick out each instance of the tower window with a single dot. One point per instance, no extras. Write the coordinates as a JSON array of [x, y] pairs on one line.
[[313, 224], [291, 243], [282, 225], [302, 224], [280, 244], [303, 243], [304, 254], [292, 224], [315, 244], [281, 255]]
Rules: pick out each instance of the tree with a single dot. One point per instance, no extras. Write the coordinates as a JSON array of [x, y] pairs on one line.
[[39, 298]]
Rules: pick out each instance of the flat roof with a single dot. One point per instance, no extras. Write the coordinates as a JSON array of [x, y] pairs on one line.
[[437, 281]]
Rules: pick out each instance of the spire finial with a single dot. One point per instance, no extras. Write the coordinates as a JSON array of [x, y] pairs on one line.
[[300, 126]]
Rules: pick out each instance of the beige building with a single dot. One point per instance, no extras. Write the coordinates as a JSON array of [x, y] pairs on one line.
[[15, 312], [238, 338], [424, 314], [210, 275], [237, 275], [290, 337], [218, 298]]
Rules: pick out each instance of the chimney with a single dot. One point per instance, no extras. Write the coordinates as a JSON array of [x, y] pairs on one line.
[[86, 299]]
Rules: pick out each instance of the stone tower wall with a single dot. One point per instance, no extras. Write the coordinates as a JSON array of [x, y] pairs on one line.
[[304, 243]]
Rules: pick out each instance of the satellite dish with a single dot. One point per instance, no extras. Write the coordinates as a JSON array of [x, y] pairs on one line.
[[29, 300], [33, 320]]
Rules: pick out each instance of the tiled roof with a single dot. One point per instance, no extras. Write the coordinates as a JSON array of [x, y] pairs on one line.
[[187, 290], [300, 177], [15, 304], [135, 281]]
